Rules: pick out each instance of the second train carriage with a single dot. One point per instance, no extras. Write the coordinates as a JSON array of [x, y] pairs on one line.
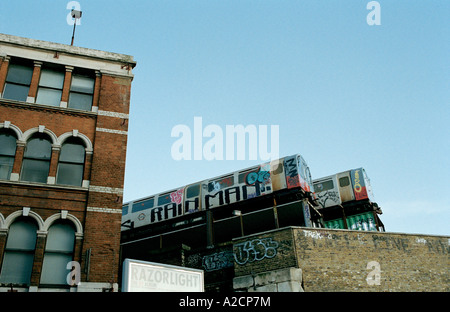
[[346, 201], [288, 173]]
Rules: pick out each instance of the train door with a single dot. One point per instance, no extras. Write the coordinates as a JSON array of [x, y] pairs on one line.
[[345, 186], [277, 175], [192, 195]]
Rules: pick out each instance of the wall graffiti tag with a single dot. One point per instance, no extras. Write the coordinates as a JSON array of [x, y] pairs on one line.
[[332, 196], [218, 261], [255, 250]]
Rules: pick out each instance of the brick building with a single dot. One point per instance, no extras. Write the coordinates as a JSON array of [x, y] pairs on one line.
[[63, 138]]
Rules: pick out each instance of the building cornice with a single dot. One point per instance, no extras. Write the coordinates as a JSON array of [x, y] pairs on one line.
[[44, 51]]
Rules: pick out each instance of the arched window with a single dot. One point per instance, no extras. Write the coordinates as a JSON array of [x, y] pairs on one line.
[[19, 252], [7, 153], [36, 159], [71, 162], [58, 253]]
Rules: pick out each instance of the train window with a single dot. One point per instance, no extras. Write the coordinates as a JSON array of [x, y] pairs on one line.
[[124, 210], [143, 204], [244, 174], [221, 183], [344, 181], [164, 199], [324, 186], [193, 191]]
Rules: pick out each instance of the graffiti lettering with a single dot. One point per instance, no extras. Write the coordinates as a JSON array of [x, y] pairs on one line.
[[231, 195], [332, 196], [255, 250], [218, 261], [292, 178], [262, 176], [191, 205], [177, 196], [358, 186], [165, 212], [398, 243]]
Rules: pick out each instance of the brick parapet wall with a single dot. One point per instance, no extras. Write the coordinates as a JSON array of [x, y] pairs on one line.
[[343, 260]]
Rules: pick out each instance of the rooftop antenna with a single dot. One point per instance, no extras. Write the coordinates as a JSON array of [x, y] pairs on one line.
[[76, 15]]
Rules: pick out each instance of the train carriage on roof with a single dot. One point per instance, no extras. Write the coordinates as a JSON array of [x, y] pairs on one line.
[[346, 201], [261, 182]]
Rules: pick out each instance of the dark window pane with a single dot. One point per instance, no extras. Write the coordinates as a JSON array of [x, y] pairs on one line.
[[72, 152], [19, 252], [80, 101], [324, 186], [54, 269], [193, 191], [58, 253], [16, 268], [19, 74], [38, 148], [16, 92], [6, 165], [61, 238], [82, 84], [52, 79], [142, 205], [7, 144], [164, 199], [124, 210], [344, 181], [22, 235], [70, 174], [50, 97], [35, 170]]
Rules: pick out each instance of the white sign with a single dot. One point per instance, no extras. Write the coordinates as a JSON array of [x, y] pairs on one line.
[[142, 276]]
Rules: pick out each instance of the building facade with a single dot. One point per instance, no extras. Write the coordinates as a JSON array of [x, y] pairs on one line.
[[63, 138]]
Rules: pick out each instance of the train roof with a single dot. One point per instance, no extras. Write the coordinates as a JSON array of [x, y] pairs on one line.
[[335, 174]]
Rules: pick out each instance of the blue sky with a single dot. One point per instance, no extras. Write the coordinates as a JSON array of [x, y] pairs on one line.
[[344, 94]]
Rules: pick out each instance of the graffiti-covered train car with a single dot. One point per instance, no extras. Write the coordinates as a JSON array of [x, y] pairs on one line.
[[348, 186], [287, 173], [346, 201]]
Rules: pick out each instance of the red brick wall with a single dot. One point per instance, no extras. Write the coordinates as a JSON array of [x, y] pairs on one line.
[[107, 166]]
